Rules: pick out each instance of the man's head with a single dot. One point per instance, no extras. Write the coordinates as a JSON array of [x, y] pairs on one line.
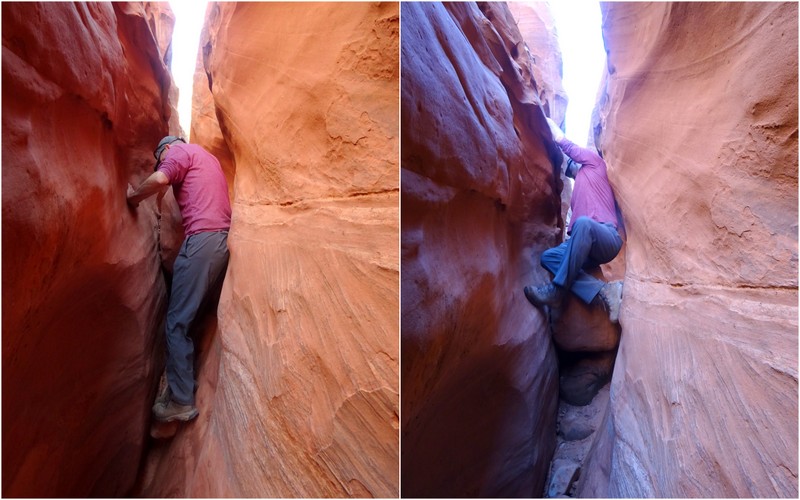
[[572, 168], [163, 146]]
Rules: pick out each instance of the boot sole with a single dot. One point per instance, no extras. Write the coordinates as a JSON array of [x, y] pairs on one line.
[[536, 302], [182, 417]]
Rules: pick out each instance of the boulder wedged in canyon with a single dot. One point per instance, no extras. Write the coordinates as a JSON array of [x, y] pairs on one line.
[[698, 123], [582, 374], [581, 327], [480, 202], [85, 100], [298, 390]]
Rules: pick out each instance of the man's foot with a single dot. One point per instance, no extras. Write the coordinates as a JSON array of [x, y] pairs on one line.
[[174, 411], [164, 393], [611, 295], [545, 295]]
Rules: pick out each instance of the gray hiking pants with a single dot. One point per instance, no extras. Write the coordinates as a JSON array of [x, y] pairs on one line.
[[198, 274], [591, 243]]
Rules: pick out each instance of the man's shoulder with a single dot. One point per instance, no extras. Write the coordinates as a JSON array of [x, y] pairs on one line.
[[194, 149]]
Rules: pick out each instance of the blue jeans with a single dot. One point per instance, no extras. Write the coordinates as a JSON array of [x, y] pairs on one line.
[[592, 243], [199, 270]]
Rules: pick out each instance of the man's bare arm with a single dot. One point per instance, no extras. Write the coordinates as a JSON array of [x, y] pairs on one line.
[[156, 183]]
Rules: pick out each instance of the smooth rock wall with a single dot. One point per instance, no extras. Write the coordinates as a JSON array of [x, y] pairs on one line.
[[85, 101], [299, 391], [698, 123], [480, 201]]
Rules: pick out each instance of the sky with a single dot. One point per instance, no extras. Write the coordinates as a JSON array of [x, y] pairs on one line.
[[583, 56], [185, 40]]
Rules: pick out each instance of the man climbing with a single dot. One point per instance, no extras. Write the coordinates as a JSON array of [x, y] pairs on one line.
[[594, 237], [202, 195]]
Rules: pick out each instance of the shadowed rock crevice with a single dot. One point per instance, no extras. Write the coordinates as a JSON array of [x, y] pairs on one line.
[[586, 342]]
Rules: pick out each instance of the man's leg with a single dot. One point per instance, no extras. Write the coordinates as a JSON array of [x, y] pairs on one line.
[[552, 258], [203, 257], [548, 295], [590, 243]]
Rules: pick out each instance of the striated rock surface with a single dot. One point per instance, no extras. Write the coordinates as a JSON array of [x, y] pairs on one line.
[[698, 123], [85, 99], [298, 380], [480, 202]]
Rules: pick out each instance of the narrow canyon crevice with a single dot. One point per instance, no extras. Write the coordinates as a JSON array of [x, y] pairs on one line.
[[298, 386], [301, 397], [299, 362]]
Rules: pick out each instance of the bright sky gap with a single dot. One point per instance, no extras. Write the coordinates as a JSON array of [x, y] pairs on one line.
[[189, 18], [578, 25]]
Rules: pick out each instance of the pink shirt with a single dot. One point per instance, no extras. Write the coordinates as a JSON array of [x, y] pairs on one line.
[[591, 195], [199, 187]]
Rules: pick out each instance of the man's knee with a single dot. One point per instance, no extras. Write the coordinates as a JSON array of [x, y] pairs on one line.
[[582, 224], [551, 259]]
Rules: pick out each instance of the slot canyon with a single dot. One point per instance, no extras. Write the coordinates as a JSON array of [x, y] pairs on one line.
[[693, 394], [696, 117], [298, 366]]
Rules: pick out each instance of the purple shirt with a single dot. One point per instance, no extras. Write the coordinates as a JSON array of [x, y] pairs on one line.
[[199, 187], [592, 195]]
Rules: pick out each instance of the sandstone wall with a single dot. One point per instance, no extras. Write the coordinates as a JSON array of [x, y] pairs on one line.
[[480, 201], [85, 100], [299, 388], [538, 29], [698, 124]]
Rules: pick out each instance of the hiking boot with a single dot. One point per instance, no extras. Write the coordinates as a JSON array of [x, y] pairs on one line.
[[174, 411], [545, 295], [611, 295]]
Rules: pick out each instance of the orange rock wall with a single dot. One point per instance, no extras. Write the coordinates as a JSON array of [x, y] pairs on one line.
[[299, 389], [480, 201], [85, 100], [698, 123]]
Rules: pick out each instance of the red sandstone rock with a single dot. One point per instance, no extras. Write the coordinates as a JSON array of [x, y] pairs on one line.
[[480, 203], [298, 387], [205, 126], [699, 131], [84, 102], [580, 327], [537, 27]]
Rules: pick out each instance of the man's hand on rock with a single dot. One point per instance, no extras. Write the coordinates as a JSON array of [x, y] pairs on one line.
[[131, 203]]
